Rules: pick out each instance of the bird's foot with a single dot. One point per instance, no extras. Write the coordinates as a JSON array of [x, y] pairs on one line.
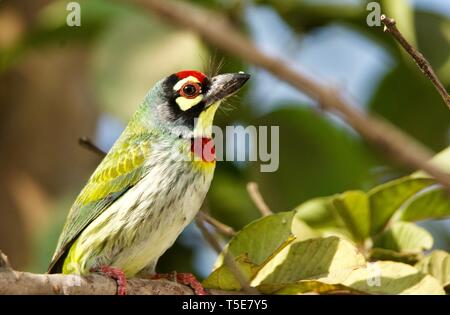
[[183, 278], [116, 274], [190, 280]]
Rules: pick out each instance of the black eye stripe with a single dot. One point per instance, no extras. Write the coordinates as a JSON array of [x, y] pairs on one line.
[[173, 109]]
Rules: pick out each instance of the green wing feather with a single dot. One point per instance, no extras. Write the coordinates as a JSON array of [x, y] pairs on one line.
[[120, 170]]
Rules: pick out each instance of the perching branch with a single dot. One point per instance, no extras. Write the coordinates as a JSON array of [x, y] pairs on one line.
[[258, 200], [215, 29], [19, 283], [15, 282], [391, 28]]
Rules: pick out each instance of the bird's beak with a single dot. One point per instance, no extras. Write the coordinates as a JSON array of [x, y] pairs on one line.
[[224, 85]]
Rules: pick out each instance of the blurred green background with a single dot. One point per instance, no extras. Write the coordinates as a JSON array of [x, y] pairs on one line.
[[58, 83]]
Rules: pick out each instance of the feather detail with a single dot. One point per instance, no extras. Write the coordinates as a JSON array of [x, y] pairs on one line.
[[120, 170]]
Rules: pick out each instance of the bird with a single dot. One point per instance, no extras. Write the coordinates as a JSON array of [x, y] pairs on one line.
[[150, 185]]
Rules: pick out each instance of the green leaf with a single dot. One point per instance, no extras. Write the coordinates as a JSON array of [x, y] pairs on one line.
[[321, 215], [251, 247], [438, 265], [387, 254], [261, 238], [321, 265], [337, 262], [404, 237], [306, 286], [223, 278], [387, 198], [312, 259], [431, 204], [386, 277], [303, 231], [353, 208]]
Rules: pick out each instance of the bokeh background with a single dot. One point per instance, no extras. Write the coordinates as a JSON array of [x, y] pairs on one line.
[[58, 83]]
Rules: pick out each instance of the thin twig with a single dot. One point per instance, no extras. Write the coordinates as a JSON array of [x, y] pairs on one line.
[[4, 261], [424, 65], [258, 200], [228, 258], [219, 226], [86, 143], [215, 29]]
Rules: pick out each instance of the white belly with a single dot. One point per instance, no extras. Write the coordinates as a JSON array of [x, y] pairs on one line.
[[140, 226]]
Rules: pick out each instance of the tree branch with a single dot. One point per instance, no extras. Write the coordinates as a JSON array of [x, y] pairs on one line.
[[423, 64], [86, 143], [18, 283], [258, 200], [15, 282], [219, 226]]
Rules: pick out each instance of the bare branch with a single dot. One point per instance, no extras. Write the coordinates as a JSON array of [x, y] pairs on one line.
[[215, 29], [86, 143], [228, 258], [14, 282], [258, 200], [424, 65], [18, 283], [219, 226]]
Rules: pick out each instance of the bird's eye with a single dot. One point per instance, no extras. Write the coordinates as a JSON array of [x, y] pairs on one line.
[[190, 90]]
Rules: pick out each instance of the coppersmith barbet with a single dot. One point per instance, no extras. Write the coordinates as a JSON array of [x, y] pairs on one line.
[[151, 183]]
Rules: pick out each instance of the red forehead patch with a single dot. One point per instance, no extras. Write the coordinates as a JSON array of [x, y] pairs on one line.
[[191, 73]]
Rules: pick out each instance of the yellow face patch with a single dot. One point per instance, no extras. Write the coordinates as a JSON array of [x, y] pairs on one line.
[[186, 103]]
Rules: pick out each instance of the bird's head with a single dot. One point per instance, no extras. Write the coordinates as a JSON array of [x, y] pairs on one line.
[[185, 102]]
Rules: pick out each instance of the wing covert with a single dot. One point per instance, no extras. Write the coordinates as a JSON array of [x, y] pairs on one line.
[[120, 170]]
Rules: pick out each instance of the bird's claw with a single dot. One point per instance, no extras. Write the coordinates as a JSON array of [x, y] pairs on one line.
[[116, 274], [183, 278]]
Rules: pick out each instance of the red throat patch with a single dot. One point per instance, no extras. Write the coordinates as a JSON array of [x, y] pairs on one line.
[[203, 148], [191, 73]]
